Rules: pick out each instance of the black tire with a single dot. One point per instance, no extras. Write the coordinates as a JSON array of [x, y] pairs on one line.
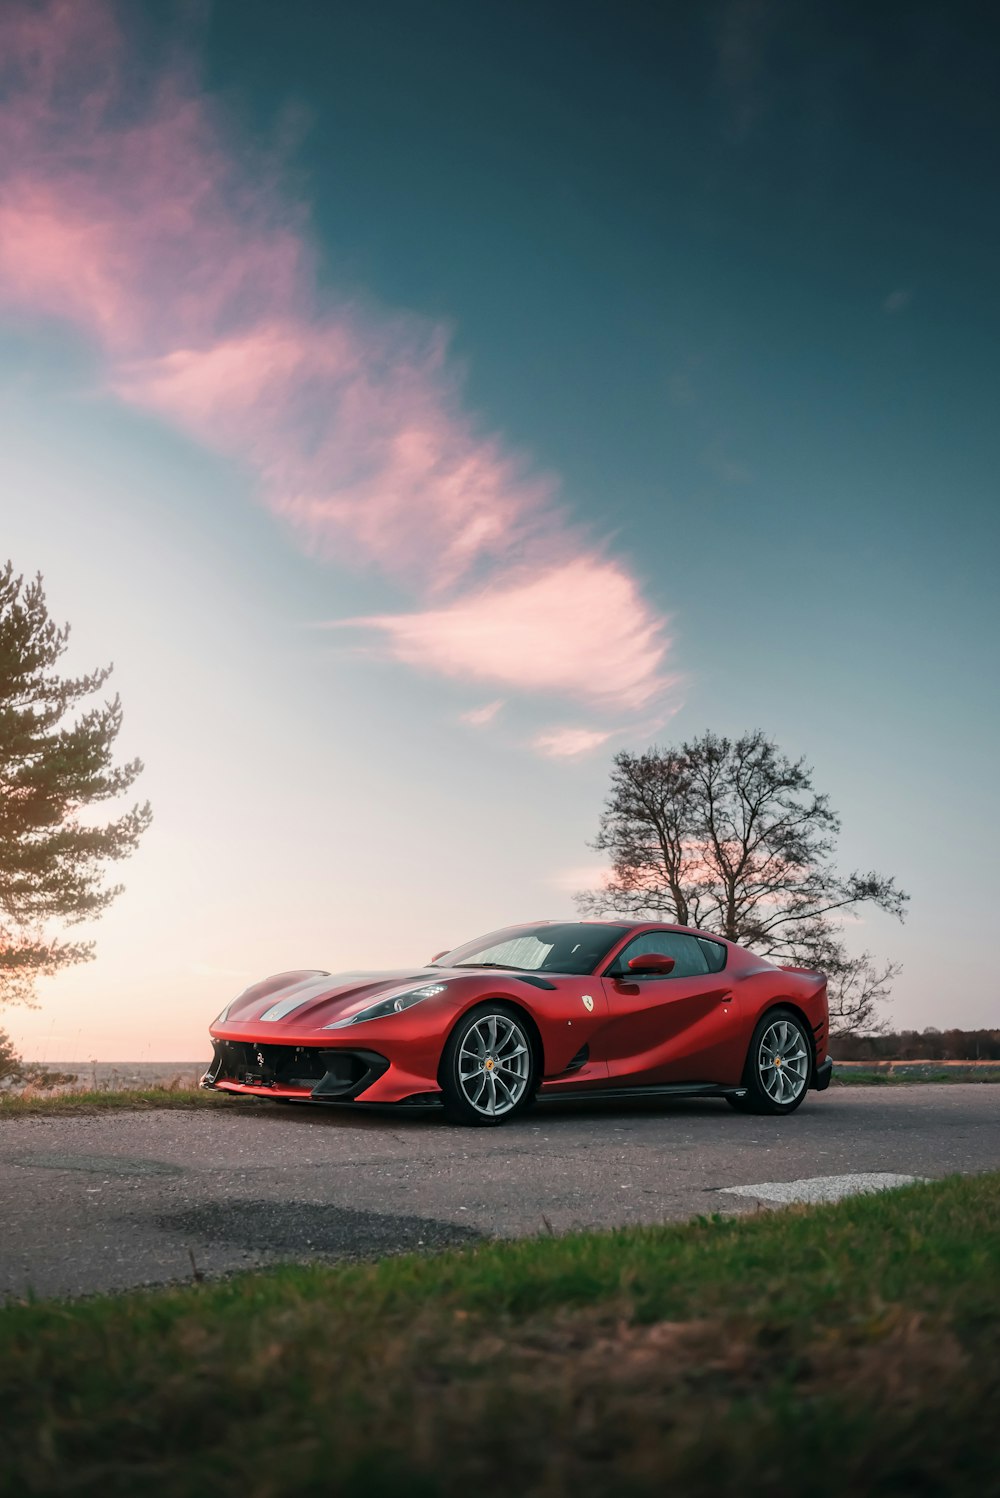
[[760, 1095], [459, 1076]]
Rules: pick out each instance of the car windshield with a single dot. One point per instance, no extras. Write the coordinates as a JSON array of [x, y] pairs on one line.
[[546, 947]]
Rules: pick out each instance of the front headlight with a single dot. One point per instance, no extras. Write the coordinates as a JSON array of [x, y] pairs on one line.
[[386, 1007]]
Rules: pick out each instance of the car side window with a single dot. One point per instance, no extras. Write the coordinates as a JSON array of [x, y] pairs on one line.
[[714, 951], [690, 958]]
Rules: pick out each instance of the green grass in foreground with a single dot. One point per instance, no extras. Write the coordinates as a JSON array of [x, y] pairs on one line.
[[853, 1348]]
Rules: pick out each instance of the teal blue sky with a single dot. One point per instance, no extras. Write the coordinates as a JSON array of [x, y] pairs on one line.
[[726, 271], [731, 270]]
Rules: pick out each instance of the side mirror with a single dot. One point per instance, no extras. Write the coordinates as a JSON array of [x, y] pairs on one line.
[[440, 954], [651, 963]]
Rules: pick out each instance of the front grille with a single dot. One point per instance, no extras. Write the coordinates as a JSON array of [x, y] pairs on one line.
[[276, 1065], [322, 1073]]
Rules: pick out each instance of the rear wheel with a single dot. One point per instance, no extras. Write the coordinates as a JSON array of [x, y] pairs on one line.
[[779, 1065], [488, 1068]]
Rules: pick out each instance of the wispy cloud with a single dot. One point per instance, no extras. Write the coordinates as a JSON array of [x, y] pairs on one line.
[[580, 627], [141, 220], [570, 743], [478, 717], [356, 433]]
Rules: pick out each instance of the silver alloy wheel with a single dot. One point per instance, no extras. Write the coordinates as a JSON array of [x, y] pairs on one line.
[[783, 1062], [494, 1064]]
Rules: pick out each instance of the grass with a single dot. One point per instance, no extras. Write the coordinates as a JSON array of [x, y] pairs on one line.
[[139, 1099], [911, 1076], [820, 1351], [87, 1100]]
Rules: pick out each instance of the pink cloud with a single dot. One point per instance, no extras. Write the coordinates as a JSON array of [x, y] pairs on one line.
[[179, 254], [478, 717], [357, 436], [129, 211], [570, 743], [579, 627], [54, 259]]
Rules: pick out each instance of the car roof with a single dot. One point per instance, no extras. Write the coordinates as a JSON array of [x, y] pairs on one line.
[[634, 926]]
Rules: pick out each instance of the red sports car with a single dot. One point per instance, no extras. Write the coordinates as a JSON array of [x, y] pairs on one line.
[[552, 1009]]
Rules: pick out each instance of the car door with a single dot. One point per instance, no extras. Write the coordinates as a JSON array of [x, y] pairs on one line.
[[674, 1027]]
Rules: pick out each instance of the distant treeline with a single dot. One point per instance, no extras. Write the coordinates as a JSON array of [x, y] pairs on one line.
[[919, 1045]]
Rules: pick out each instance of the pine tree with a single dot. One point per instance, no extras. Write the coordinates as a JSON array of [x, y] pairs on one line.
[[56, 762]]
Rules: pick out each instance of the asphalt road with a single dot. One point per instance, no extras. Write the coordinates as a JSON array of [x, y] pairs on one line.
[[113, 1200]]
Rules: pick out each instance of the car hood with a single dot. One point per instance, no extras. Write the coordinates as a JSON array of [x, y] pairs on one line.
[[309, 1001]]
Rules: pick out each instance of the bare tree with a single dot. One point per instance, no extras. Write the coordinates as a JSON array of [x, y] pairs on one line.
[[857, 987], [731, 836]]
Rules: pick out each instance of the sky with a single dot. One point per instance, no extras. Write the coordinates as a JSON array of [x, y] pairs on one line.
[[421, 403]]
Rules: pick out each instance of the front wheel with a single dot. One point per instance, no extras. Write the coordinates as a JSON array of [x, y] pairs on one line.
[[488, 1067], [779, 1065]]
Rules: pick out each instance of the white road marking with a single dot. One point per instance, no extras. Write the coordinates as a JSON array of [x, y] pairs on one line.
[[823, 1188]]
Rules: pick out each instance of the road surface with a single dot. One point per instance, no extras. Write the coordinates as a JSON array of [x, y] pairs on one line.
[[113, 1200]]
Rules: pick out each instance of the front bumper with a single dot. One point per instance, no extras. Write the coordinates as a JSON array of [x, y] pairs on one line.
[[314, 1072], [822, 1075]]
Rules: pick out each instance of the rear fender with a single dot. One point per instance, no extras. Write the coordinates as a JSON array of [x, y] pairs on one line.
[[808, 1027]]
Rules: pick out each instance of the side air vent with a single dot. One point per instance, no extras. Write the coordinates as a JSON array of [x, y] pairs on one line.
[[580, 1059]]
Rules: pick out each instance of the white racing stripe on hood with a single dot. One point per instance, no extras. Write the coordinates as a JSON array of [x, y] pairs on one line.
[[315, 988], [278, 1011]]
